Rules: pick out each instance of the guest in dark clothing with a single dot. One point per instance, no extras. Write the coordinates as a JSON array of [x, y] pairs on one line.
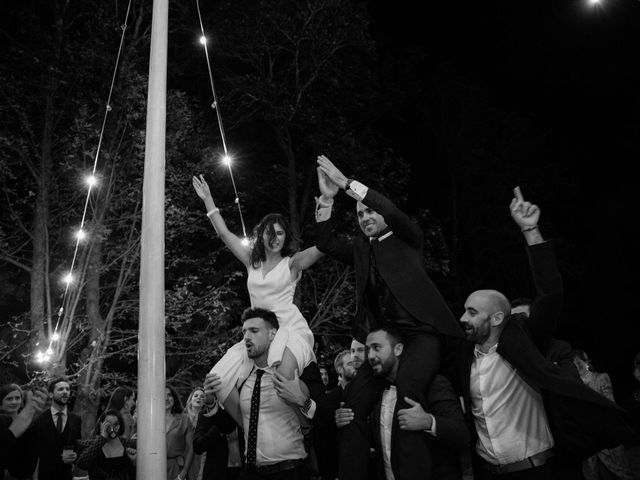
[[109, 456], [18, 442], [443, 428], [393, 288], [211, 439], [58, 430], [549, 415]]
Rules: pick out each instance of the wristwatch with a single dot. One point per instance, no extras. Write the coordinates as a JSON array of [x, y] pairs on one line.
[[348, 184]]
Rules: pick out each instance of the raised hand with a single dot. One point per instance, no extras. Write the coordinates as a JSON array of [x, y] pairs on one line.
[[413, 418], [525, 214], [201, 187], [328, 189], [332, 172]]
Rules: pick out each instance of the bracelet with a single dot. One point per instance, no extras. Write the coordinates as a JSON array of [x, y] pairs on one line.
[[212, 211], [528, 229]]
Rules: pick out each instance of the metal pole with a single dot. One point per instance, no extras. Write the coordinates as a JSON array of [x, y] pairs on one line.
[[151, 443]]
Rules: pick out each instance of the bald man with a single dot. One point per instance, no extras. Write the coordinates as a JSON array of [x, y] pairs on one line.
[[526, 412]]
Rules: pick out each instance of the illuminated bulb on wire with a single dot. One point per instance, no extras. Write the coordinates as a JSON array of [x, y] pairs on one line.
[[49, 351], [226, 160], [245, 241], [203, 40], [68, 278], [55, 337], [91, 180], [80, 235], [594, 2]]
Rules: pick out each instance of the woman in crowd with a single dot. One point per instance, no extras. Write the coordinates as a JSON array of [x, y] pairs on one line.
[[109, 456], [123, 399], [179, 437], [274, 269], [610, 463], [11, 399], [194, 405]]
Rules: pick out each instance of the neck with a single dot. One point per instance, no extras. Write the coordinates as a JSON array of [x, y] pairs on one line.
[[391, 377], [342, 382], [272, 256], [261, 361], [487, 345], [57, 406]]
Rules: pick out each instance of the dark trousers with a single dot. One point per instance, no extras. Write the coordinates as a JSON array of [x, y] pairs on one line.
[[410, 455], [543, 472], [298, 473]]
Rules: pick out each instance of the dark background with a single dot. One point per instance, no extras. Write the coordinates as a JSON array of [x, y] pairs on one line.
[[569, 71]]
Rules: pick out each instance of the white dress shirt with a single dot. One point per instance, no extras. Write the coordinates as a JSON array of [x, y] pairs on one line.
[[509, 414], [389, 399], [54, 415], [279, 433]]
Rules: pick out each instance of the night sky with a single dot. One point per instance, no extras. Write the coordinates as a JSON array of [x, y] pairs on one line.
[[569, 72], [562, 80]]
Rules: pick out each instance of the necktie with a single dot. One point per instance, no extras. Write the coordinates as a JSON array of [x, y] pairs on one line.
[[252, 437], [59, 421]]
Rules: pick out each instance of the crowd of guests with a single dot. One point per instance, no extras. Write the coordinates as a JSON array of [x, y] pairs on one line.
[[420, 394]]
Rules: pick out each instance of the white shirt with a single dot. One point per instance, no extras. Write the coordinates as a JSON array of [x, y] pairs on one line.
[[509, 414], [54, 415], [279, 433], [389, 399]]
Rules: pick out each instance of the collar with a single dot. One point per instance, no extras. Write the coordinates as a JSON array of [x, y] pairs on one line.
[[54, 410], [479, 353], [381, 237]]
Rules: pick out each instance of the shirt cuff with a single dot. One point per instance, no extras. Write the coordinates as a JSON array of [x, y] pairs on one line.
[[432, 430], [311, 412], [323, 210], [357, 190]]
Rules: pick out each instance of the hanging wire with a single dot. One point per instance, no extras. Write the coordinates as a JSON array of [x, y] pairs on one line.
[[216, 106], [91, 182]]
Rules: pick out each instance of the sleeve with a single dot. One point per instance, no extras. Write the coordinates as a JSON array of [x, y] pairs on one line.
[[396, 219], [90, 453], [206, 433], [327, 242], [547, 305], [445, 407]]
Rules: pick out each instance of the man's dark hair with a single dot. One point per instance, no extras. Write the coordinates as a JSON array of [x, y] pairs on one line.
[[52, 384], [392, 332], [521, 301], [266, 315]]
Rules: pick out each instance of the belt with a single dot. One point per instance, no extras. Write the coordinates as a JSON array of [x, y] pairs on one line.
[[529, 462], [276, 467]]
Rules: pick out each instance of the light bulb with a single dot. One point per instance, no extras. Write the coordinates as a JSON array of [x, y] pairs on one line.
[[203, 40]]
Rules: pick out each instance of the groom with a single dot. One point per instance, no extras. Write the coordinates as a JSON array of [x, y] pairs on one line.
[[392, 288]]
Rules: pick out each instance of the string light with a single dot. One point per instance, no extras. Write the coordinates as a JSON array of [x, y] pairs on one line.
[[226, 159], [245, 241], [91, 180]]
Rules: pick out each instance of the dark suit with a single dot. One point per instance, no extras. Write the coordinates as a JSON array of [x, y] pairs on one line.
[[325, 432], [17, 455], [51, 442], [452, 433], [392, 287], [209, 438], [581, 421]]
